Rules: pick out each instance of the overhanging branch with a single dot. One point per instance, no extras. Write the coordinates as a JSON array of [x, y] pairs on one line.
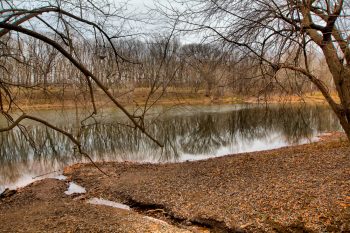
[[82, 68]]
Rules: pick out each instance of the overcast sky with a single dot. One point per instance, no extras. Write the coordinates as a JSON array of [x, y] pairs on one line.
[[140, 3], [157, 25]]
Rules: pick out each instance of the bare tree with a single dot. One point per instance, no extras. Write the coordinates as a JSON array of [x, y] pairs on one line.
[[281, 33], [59, 27], [207, 60]]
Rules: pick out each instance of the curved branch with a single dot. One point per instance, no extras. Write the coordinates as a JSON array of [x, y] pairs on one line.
[[320, 85], [69, 135], [82, 68], [39, 11]]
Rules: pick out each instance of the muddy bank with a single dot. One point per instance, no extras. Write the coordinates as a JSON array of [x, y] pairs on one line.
[[44, 207], [296, 189]]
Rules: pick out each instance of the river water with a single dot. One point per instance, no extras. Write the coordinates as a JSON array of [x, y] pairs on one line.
[[187, 132]]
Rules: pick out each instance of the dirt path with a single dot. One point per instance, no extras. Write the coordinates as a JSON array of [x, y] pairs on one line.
[[296, 189]]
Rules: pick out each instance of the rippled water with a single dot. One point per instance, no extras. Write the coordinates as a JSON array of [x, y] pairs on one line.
[[187, 132]]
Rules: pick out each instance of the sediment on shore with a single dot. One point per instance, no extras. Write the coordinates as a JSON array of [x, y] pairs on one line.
[[304, 188], [294, 189]]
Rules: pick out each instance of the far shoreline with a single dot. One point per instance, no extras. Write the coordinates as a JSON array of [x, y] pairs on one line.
[[173, 100]]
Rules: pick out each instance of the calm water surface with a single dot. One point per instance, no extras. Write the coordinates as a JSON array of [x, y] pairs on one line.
[[188, 133]]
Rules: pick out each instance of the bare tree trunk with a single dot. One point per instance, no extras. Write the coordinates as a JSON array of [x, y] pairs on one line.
[[341, 78]]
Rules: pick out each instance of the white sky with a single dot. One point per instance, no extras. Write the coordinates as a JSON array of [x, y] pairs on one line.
[[140, 3], [158, 25]]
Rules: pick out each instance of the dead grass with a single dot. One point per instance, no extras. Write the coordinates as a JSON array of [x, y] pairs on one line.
[[54, 98]]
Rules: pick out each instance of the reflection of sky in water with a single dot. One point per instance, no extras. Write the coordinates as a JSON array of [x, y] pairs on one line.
[[257, 144], [188, 133]]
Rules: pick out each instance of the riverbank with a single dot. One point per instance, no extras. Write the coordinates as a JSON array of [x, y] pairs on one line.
[[54, 99], [294, 189]]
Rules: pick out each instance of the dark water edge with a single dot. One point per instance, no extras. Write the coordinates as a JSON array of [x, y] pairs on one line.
[[187, 132]]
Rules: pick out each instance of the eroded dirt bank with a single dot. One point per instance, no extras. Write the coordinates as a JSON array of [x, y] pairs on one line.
[[297, 189], [43, 207]]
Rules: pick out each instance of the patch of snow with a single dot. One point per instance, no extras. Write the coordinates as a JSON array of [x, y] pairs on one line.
[[155, 220], [74, 188], [100, 201]]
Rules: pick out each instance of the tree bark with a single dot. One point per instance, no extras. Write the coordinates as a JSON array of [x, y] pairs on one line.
[[341, 78]]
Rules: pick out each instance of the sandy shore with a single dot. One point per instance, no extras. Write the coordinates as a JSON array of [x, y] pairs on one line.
[[295, 189]]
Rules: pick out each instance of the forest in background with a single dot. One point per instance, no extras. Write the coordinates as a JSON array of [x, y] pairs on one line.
[[151, 69]]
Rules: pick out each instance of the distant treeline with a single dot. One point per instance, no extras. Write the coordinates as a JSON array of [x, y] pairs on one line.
[[156, 63]]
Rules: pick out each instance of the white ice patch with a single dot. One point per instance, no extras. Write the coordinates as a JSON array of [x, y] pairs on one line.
[[100, 201], [60, 177], [74, 188]]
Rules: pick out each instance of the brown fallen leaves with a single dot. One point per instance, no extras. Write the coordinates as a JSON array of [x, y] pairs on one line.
[[300, 188]]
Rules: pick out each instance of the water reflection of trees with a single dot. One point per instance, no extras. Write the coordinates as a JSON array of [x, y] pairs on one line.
[[201, 133], [204, 135]]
